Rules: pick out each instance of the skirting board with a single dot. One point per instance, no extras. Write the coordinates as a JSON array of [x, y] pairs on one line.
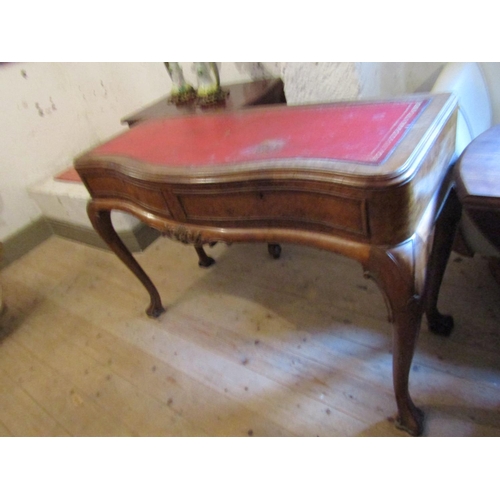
[[24, 240], [37, 232]]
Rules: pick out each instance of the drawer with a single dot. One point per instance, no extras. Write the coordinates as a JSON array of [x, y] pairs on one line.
[[274, 207], [142, 194]]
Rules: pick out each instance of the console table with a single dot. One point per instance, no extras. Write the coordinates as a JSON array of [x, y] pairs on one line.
[[364, 179]]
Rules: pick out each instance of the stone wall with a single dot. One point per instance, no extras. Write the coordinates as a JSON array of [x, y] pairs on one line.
[[314, 82]]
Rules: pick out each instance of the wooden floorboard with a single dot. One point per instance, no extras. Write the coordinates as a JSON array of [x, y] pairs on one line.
[[253, 346]]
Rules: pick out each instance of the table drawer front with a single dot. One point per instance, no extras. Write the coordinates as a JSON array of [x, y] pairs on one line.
[[142, 194], [273, 206]]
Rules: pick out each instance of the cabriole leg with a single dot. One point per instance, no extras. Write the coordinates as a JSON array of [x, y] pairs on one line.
[[394, 272], [101, 220], [406, 328]]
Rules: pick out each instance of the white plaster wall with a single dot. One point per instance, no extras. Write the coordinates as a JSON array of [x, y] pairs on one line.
[[491, 72], [51, 112], [389, 79]]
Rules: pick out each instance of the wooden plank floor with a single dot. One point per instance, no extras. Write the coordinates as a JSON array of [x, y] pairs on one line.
[[253, 346]]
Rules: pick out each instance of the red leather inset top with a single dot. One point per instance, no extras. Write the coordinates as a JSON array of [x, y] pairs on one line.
[[362, 133]]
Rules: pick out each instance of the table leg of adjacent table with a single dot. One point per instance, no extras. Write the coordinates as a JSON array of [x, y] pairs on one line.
[[444, 235]]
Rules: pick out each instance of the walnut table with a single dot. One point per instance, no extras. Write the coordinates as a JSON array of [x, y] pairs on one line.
[[363, 179]]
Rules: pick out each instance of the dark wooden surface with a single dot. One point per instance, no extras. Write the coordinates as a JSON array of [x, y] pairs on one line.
[[379, 215], [478, 183], [240, 95]]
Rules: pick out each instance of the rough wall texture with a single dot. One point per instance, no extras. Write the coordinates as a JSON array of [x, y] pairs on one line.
[[314, 82], [333, 81]]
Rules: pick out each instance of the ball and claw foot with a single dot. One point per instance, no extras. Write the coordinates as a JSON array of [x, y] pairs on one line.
[[274, 250], [414, 424], [440, 324]]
